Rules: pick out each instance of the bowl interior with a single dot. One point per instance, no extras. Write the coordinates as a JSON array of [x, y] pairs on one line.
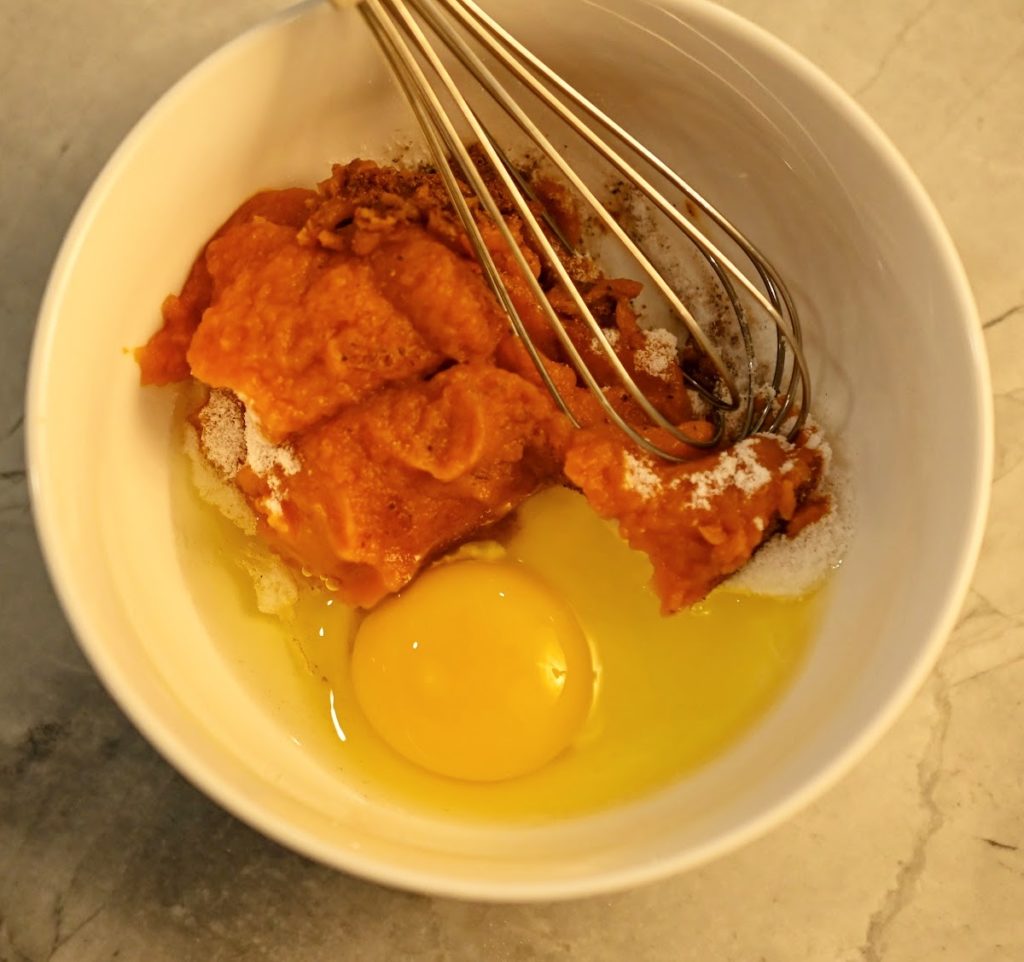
[[899, 373]]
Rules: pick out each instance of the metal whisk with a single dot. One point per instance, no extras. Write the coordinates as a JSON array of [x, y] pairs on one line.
[[779, 403]]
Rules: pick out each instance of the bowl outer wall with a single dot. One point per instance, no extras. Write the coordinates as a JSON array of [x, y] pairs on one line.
[[167, 740]]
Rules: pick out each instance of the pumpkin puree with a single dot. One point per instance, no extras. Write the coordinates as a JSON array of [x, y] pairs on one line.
[[357, 329]]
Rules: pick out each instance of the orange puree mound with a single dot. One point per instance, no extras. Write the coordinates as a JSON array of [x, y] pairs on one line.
[[699, 521], [357, 328], [162, 360], [300, 332], [395, 480]]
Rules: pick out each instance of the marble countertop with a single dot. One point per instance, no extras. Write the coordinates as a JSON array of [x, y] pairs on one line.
[[918, 854]]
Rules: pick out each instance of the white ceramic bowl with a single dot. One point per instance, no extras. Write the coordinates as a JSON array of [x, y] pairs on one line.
[[894, 341]]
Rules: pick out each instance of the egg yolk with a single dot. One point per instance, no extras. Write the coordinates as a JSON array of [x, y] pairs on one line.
[[476, 671]]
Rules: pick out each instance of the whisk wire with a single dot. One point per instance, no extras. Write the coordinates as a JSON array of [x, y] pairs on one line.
[[396, 46], [443, 141], [395, 27], [498, 41], [490, 83], [498, 91]]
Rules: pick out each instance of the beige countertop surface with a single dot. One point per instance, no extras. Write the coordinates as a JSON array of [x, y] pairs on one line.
[[918, 854]]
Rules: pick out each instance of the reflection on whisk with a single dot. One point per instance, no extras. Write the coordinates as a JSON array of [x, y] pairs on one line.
[[778, 401]]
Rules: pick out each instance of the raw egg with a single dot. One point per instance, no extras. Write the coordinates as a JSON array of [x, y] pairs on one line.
[[569, 694], [476, 671]]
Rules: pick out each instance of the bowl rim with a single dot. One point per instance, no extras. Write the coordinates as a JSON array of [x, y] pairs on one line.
[[209, 780]]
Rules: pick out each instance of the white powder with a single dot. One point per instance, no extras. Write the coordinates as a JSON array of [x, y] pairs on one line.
[[816, 441], [640, 476], [791, 567], [699, 405], [266, 459], [213, 488], [275, 586], [261, 455], [611, 336], [736, 468], [659, 354], [582, 268], [231, 437], [223, 432]]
